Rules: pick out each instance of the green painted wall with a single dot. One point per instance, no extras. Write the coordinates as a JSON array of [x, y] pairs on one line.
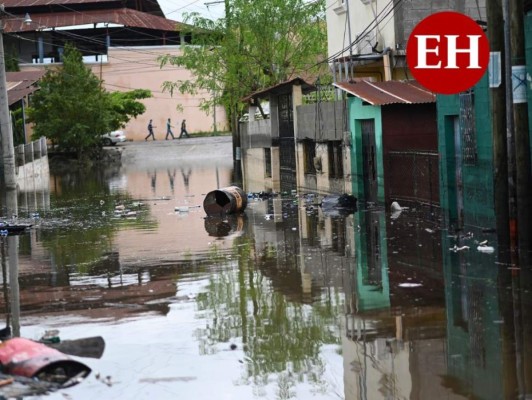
[[357, 112], [478, 201], [475, 347], [372, 296]]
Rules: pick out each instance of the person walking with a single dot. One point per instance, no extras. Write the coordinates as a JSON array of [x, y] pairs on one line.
[[169, 129], [184, 129], [150, 131]]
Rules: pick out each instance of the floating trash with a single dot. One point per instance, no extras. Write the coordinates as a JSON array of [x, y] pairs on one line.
[[485, 249], [31, 359], [410, 285], [457, 249], [338, 205], [228, 200]]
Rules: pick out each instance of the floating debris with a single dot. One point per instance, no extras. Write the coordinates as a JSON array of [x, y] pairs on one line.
[[228, 200], [339, 205], [457, 249], [410, 285], [486, 249]]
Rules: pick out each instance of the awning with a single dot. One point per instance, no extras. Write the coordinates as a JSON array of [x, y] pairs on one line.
[[388, 92]]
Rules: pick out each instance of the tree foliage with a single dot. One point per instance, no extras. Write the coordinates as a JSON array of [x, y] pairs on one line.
[[258, 44], [125, 106], [73, 110]]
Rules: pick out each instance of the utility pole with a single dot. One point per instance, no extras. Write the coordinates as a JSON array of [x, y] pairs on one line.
[[522, 141], [348, 16], [498, 124], [8, 151], [510, 126]]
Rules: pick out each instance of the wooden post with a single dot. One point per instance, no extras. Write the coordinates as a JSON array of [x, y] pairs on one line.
[[522, 141], [498, 126]]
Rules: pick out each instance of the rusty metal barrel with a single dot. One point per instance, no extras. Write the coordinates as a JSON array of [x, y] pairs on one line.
[[227, 200], [24, 357]]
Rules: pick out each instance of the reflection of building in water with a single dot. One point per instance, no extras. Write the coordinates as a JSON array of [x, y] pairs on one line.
[[389, 356], [484, 323], [394, 345]]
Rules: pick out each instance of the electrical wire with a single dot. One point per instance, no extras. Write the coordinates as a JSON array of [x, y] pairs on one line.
[[365, 32]]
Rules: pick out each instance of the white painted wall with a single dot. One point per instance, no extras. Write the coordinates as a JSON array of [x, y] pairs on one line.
[[362, 14]]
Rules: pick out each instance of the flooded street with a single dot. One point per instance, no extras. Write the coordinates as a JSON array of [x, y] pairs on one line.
[[282, 302]]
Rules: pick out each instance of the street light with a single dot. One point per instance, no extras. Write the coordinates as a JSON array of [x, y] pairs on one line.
[[6, 130]]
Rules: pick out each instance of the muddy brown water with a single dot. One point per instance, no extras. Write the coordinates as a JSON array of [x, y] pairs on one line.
[[280, 302]]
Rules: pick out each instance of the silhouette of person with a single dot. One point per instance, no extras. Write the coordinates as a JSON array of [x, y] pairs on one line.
[[186, 177], [171, 177], [169, 130], [183, 129], [150, 131], [154, 181]]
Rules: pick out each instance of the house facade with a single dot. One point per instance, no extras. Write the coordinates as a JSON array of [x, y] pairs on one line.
[[121, 42], [368, 38], [394, 141]]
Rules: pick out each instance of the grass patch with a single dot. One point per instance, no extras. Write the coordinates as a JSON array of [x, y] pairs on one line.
[[209, 133]]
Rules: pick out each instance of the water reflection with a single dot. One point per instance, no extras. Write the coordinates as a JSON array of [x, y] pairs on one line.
[[284, 301]]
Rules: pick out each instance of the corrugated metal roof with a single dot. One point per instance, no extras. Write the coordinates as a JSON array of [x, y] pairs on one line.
[[16, 95], [123, 16], [20, 84], [26, 76], [281, 88], [389, 92], [33, 3]]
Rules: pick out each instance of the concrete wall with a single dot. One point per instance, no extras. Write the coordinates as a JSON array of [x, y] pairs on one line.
[[412, 12], [255, 138], [322, 121], [32, 170], [129, 68]]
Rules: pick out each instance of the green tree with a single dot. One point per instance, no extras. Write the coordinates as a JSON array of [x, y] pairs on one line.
[[124, 106], [11, 59], [259, 44], [72, 109]]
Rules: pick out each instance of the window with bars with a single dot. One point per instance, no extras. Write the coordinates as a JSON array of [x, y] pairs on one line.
[[336, 168], [267, 162], [309, 154], [467, 128]]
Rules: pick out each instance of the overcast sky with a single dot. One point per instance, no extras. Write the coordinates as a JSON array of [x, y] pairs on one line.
[[174, 9]]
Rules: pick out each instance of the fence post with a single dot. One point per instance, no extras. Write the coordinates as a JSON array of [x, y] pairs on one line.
[[20, 159], [44, 146], [36, 149]]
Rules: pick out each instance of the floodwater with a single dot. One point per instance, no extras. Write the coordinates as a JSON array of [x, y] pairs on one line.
[[282, 302]]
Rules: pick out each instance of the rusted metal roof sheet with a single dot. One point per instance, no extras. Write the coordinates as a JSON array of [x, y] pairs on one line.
[[20, 84], [32, 3], [389, 92], [123, 16], [280, 88], [15, 95], [26, 76]]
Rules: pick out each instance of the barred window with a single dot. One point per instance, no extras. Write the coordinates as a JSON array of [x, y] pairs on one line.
[[467, 128], [336, 169], [309, 153], [267, 162]]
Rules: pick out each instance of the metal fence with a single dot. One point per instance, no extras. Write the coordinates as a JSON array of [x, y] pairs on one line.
[[412, 176]]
